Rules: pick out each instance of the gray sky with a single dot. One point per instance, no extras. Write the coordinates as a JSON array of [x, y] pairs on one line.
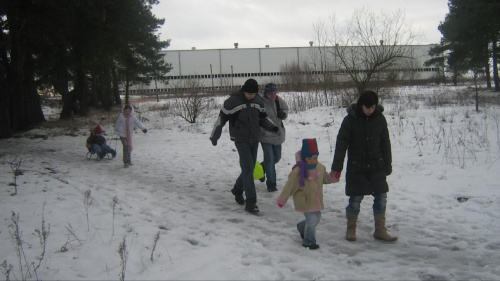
[[218, 24]]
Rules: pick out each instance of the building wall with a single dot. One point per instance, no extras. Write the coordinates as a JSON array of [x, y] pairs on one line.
[[226, 68]]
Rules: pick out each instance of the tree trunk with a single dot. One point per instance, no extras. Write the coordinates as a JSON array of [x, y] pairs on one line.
[[23, 101], [61, 86], [5, 126], [488, 76], [495, 66], [81, 84], [81, 103], [116, 89], [107, 91], [127, 87]]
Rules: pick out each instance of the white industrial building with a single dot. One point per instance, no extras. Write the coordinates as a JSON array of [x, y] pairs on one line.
[[228, 68]]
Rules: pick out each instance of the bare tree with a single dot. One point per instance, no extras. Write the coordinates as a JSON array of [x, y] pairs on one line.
[[370, 43], [193, 104], [322, 60]]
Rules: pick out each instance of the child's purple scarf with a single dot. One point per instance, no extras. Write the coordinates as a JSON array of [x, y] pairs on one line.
[[303, 172]]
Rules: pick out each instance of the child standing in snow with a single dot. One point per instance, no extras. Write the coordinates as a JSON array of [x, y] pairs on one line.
[[305, 183], [124, 125]]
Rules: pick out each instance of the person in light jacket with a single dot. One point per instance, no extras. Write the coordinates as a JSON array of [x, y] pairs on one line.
[[277, 110], [124, 127]]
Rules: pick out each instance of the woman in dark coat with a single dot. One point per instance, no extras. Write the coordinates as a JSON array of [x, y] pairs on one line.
[[364, 136]]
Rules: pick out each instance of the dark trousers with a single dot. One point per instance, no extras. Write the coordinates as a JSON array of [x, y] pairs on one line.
[[245, 182], [126, 155]]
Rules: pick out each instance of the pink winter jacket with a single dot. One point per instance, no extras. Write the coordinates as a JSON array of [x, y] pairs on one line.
[[308, 198]]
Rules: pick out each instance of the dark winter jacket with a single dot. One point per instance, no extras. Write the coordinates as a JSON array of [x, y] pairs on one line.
[[368, 146], [96, 139], [245, 118]]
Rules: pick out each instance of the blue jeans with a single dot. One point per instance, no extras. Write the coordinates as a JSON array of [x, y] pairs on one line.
[[101, 150], [379, 204], [245, 182], [307, 228], [272, 155]]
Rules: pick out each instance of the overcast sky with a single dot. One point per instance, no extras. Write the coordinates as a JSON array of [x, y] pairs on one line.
[[218, 24]]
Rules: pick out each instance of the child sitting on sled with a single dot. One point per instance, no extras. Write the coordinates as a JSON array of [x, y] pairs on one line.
[[96, 143]]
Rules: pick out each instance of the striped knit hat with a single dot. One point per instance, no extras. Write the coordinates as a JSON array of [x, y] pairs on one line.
[[309, 148]]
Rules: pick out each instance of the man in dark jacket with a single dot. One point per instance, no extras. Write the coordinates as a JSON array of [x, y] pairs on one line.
[[365, 137], [246, 113]]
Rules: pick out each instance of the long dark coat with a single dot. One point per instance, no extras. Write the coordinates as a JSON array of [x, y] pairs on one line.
[[368, 146]]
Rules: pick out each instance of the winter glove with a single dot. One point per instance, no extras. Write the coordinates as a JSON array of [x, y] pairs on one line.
[[281, 201], [145, 130], [281, 114], [214, 141], [275, 129]]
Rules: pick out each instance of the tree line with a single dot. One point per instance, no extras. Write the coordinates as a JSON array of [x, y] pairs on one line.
[[470, 40], [80, 49]]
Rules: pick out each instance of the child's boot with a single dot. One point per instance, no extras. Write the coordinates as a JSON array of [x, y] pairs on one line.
[[380, 229], [350, 234]]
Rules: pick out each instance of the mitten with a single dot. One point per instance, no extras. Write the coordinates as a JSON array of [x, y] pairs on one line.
[[335, 176], [214, 141], [145, 130], [281, 114], [275, 129], [281, 201]]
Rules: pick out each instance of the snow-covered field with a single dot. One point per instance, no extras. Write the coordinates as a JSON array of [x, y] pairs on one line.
[[444, 202]]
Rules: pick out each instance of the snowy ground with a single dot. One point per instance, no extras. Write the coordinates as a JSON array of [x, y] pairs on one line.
[[179, 188]]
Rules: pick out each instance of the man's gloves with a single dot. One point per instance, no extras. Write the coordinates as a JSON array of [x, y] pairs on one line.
[[214, 141], [281, 114], [145, 130], [275, 129]]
